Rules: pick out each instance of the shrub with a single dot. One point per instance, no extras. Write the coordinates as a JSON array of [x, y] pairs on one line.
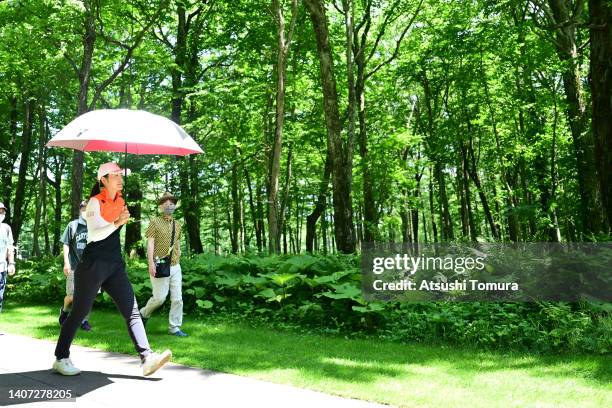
[[322, 293]]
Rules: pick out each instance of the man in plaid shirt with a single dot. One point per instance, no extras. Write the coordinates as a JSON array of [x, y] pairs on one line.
[[159, 236]]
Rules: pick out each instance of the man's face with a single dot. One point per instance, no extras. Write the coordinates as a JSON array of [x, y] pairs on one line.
[[2, 211], [165, 205]]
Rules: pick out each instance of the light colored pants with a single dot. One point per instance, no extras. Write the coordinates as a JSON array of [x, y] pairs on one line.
[[70, 284], [160, 287], [70, 291]]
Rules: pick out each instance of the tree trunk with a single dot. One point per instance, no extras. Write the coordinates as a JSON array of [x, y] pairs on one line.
[[510, 199], [405, 217], [434, 228], [26, 136], [341, 152], [584, 144], [57, 218], [447, 224], [133, 237], [188, 198], [465, 188], [415, 213], [473, 171], [42, 183], [370, 215], [7, 172], [89, 42], [260, 212], [235, 226], [299, 221], [319, 209], [465, 227], [285, 201], [601, 88], [274, 221], [215, 224], [252, 209]]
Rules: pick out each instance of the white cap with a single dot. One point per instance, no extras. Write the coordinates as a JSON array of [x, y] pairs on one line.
[[110, 168], [2, 206]]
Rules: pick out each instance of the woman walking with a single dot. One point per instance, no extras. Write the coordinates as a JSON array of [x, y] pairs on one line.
[[102, 266]]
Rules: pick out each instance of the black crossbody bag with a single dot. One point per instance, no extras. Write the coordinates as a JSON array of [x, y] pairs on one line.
[[162, 267]]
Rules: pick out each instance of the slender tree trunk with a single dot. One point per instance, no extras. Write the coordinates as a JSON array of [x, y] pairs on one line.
[[89, 42], [42, 182], [26, 138], [447, 224], [465, 227], [601, 88], [510, 199], [434, 228], [319, 209], [133, 237], [244, 242], [370, 221], [273, 221], [285, 201], [235, 225], [483, 198], [405, 217], [473, 172], [215, 224], [7, 172], [465, 179], [284, 40], [57, 218], [415, 212], [260, 212], [299, 221], [252, 209]]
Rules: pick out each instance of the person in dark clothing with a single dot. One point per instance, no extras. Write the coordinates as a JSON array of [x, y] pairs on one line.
[[102, 266], [74, 240]]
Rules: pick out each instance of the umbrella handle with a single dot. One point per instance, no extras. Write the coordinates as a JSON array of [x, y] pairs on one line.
[[125, 171]]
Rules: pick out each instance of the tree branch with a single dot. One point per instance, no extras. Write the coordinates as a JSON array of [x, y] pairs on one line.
[[128, 55], [382, 30], [397, 44], [163, 37], [368, 8], [291, 26]]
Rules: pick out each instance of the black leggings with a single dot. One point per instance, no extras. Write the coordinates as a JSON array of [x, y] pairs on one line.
[[89, 276]]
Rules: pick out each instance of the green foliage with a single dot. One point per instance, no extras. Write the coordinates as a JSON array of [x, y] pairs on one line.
[[322, 293]]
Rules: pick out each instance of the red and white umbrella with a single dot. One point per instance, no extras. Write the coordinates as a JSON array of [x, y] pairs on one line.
[[125, 131]]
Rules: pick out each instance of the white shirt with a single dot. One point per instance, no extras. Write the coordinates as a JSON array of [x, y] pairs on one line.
[[97, 227], [6, 244]]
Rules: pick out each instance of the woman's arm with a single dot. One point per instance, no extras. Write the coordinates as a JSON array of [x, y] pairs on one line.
[[97, 227]]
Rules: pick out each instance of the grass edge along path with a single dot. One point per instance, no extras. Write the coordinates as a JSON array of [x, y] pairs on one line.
[[367, 369]]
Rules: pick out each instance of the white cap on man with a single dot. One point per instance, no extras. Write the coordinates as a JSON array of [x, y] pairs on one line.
[[110, 168], [2, 206]]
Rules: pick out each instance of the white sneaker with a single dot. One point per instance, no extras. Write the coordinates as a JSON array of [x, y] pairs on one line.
[[155, 361], [65, 367]]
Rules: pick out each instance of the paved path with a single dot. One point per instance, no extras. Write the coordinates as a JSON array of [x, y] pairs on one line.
[[115, 380]]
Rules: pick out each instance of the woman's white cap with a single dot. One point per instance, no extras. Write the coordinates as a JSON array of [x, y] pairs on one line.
[[110, 168]]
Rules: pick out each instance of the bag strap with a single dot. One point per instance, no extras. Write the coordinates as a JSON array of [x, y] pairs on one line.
[[171, 241]]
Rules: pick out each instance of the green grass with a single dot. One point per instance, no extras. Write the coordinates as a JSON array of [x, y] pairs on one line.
[[391, 373]]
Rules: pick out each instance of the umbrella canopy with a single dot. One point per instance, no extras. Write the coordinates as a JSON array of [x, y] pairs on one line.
[[125, 130]]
